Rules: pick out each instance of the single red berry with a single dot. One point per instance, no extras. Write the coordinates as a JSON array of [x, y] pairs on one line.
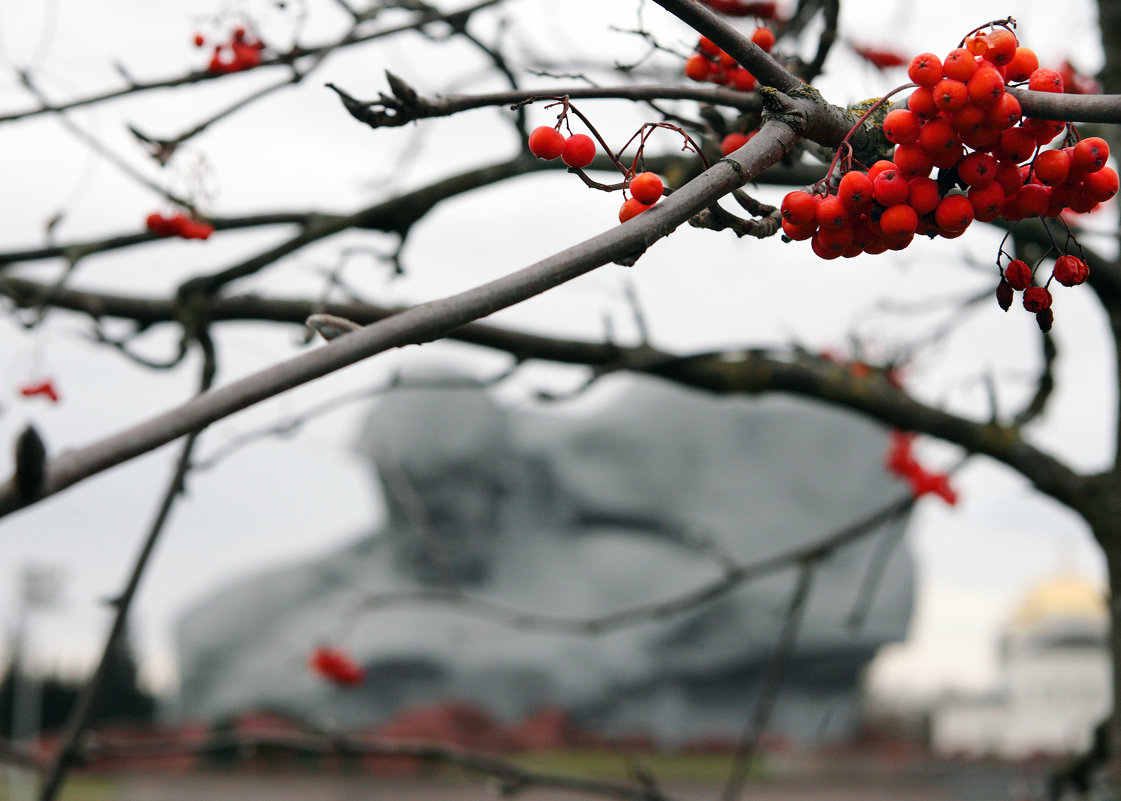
[[923, 195], [938, 136], [1002, 46], [921, 102], [1036, 299], [950, 95], [1101, 185], [1018, 274], [1022, 65], [1090, 154], [1070, 270], [646, 188], [899, 221], [1004, 113], [632, 207], [1004, 295], [798, 232], [1016, 144], [698, 67], [901, 126], [925, 69], [1045, 319], [708, 47], [1031, 200], [1045, 130], [959, 65], [733, 142], [579, 151], [985, 86], [891, 188], [1052, 166], [831, 213], [546, 142], [954, 213], [912, 161], [764, 38], [799, 208], [977, 169], [987, 201], [855, 191], [199, 40], [741, 80], [826, 249], [1045, 80]]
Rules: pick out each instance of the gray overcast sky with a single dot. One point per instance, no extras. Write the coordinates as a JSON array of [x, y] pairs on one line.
[[282, 499]]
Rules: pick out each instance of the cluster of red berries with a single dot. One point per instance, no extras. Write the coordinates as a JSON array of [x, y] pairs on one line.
[[178, 225], [710, 64], [1017, 277], [990, 164], [578, 150], [336, 667], [241, 52], [646, 189], [44, 388], [900, 461]]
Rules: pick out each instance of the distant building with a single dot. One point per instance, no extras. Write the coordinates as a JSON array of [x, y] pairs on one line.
[[1054, 680]]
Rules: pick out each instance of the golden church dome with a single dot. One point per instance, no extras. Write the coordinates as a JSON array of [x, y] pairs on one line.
[[1064, 597]]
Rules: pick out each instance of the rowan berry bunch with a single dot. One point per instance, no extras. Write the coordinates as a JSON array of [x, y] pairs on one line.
[[710, 64], [991, 162], [178, 224], [336, 666], [242, 51], [41, 389], [900, 461]]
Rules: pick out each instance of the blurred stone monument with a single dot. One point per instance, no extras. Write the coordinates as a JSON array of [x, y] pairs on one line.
[[546, 510]]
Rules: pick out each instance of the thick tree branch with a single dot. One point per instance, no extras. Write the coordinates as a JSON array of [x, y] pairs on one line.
[[422, 323]]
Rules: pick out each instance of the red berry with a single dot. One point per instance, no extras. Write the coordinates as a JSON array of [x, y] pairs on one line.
[[1002, 46], [1070, 270], [1101, 185], [831, 213], [764, 38], [798, 232], [987, 201], [741, 80], [977, 169], [855, 191], [923, 195], [799, 208], [579, 151], [891, 188], [1018, 274], [1045, 80], [632, 208], [912, 161], [950, 95], [1022, 65], [925, 69], [1032, 200], [646, 188], [985, 86], [1090, 154], [1036, 299], [1016, 144], [733, 142], [698, 67], [1004, 113], [959, 65], [1052, 166], [1045, 319], [954, 213], [546, 142], [921, 102], [1004, 295], [199, 40], [899, 221], [901, 126], [938, 136]]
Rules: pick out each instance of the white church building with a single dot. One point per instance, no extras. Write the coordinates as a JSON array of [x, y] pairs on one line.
[[1054, 680]]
